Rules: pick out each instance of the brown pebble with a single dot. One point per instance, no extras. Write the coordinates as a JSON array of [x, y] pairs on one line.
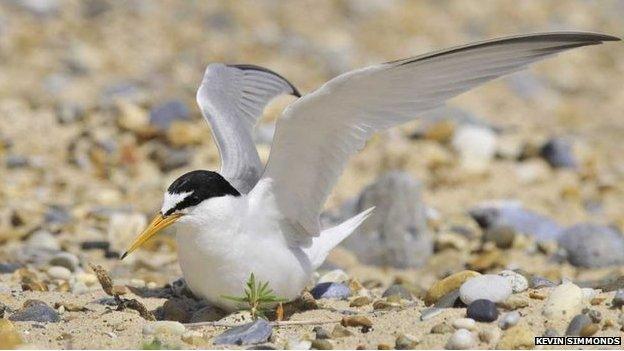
[[487, 260], [589, 330], [322, 344], [537, 295], [597, 301], [70, 307], [360, 301], [382, 305], [515, 302], [446, 285], [384, 347], [356, 321], [442, 328], [608, 323]]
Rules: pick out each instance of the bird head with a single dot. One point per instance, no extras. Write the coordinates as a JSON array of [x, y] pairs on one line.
[[182, 197]]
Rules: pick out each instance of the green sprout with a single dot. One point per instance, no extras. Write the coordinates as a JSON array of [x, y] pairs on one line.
[[257, 296]]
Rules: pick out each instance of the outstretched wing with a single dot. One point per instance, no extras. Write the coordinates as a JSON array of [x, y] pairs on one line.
[[232, 98], [319, 132]]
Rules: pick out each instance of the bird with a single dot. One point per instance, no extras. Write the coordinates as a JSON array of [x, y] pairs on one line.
[[264, 219]]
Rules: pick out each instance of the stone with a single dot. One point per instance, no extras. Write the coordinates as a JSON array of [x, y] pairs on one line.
[[10, 338], [589, 330], [397, 229], [442, 328], [558, 153], [517, 337], [65, 259], [465, 323], [406, 342], [515, 302], [43, 239], [168, 158], [322, 345], [330, 291], [537, 282], [298, 344], [476, 146], [320, 332], [340, 332], [518, 282], [356, 321], [164, 328], [58, 272], [95, 245], [593, 246], [460, 340], [482, 310], [489, 287], [206, 314], [335, 276], [255, 332], [447, 285], [398, 290], [360, 301], [502, 235], [449, 300], [618, 299], [490, 335], [192, 337], [8, 267], [430, 312], [163, 115], [35, 311], [509, 320], [512, 214], [564, 301], [577, 324], [486, 260]]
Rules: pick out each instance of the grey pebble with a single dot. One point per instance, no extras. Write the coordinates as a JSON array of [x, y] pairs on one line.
[[577, 324], [429, 313], [618, 299], [65, 259], [321, 333], [449, 300], [508, 320], [482, 311], [255, 332], [399, 290], [330, 291], [163, 115], [592, 246], [537, 282], [8, 267], [502, 235], [36, 311], [558, 153]]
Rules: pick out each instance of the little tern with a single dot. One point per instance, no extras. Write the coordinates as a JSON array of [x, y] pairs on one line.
[[248, 218]]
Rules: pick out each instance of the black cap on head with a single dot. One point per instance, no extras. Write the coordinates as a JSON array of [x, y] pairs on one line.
[[200, 185]]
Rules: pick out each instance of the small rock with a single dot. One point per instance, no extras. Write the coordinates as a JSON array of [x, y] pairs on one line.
[[322, 345], [489, 287], [7, 267], [476, 146], [163, 115], [465, 323], [593, 246], [405, 342], [340, 332], [320, 332], [538, 282], [558, 153], [10, 338], [95, 245], [356, 321], [490, 335], [447, 285], [442, 328], [518, 282], [517, 337], [193, 338], [330, 291], [58, 272], [35, 311], [207, 313], [360, 301], [577, 324], [65, 259], [449, 300], [296, 344], [503, 236], [482, 310], [589, 330], [515, 302], [430, 312], [509, 320], [618, 299], [255, 332], [43, 240], [460, 340], [164, 328], [537, 295], [335, 276], [398, 290], [564, 301]]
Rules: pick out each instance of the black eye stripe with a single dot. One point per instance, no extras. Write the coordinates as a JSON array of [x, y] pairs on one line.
[[202, 185]]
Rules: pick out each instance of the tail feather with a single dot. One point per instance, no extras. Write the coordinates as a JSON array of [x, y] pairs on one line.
[[331, 237]]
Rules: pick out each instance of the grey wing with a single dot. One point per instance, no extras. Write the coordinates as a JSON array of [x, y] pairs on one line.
[[319, 132], [231, 99]]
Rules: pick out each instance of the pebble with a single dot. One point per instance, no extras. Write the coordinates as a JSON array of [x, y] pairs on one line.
[[460, 340], [95, 245], [330, 291], [36, 311], [442, 328], [465, 323], [564, 301], [502, 235], [87, 279], [593, 246], [193, 337], [589, 330], [360, 301], [340, 332], [537, 282], [489, 287], [163, 115], [517, 337], [449, 300], [58, 272], [207, 313], [558, 153], [320, 332], [356, 321], [43, 239], [518, 282], [65, 259], [594, 315], [490, 335], [476, 146], [482, 310], [8, 267], [255, 332], [618, 299], [406, 342], [515, 302], [512, 214], [296, 344], [398, 290], [398, 226], [163, 328], [447, 285], [430, 312], [335, 276], [10, 338], [322, 345], [577, 324], [509, 320]]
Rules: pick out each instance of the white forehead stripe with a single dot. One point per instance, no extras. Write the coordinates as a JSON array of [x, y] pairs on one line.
[[171, 200]]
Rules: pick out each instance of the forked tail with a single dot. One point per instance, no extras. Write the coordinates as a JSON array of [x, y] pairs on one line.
[[331, 237]]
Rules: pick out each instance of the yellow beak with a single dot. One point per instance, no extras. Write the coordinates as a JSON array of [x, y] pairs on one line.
[[159, 223]]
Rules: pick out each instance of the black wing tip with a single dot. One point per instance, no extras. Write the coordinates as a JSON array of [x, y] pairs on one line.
[[245, 66]]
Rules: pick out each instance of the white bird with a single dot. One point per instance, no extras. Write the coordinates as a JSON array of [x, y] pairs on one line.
[[265, 220]]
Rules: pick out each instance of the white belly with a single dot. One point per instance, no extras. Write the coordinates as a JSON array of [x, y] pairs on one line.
[[214, 267]]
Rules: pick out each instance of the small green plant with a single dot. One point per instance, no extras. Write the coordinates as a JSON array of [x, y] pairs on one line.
[[256, 298]]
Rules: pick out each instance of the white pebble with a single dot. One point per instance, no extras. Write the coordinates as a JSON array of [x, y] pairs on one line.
[[564, 302], [518, 282], [488, 286], [164, 327], [476, 146], [137, 283], [465, 323], [87, 279], [460, 340], [335, 276], [58, 272], [295, 344], [509, 320], [490, 335]]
